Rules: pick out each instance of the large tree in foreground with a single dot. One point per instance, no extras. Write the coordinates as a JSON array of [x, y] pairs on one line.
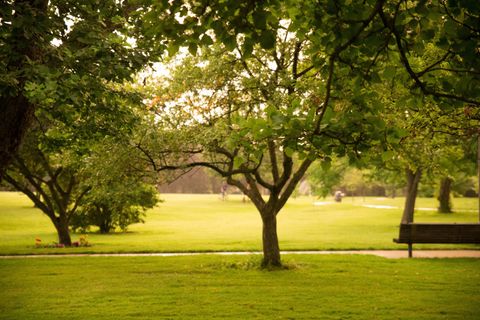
[[259, 121], [260, 116]]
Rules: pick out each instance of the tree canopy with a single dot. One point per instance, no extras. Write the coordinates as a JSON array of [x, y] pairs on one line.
[[273, 85], [292, 82]]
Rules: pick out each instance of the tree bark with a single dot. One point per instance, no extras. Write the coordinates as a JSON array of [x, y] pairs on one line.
[[445, 205], [63, 232], [413, 179], [17, 114], [271, 249], [16, 111], [105, 224]]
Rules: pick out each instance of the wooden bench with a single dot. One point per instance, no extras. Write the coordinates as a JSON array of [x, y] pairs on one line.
[[438, 233]]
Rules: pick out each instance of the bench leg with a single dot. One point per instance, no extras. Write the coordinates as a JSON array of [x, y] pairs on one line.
[[410, 249]]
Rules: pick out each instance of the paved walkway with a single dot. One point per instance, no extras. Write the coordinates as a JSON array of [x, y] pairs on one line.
[[390, 254]]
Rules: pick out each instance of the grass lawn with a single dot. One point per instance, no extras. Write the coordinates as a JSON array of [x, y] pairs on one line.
[[205, 223], [221, 287]]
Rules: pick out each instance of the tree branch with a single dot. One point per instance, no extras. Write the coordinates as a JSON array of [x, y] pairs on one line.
[[297, 176], [36, 200], [27, 174], [429, 68], [390, 24], [273, 160]]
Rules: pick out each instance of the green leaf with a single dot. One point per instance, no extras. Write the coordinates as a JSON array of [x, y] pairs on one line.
[[206, 40], [238, 161], [289, 151], [260, 19], [172, 49], [267, 39], [328, 115], [295, 104], [401, 133], [450, 28], [192, 48], [230, 42], [247, 47], [326, 163], [388, 155], [389, 72]]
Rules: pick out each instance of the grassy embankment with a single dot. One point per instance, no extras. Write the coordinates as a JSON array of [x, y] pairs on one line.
[[205, 223]]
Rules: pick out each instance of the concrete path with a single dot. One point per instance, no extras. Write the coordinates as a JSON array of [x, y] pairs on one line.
[[390, 254]]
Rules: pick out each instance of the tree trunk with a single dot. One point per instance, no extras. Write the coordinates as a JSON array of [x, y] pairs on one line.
[[105, 226], [63, 233], [271, 249], [17, 113], [413, 178], [444, 196]]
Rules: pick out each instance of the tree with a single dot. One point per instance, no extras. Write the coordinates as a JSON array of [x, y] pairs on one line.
[[61, 55], [428, 147], [65, 161], [118, 196], [258, 122], [53, 181], [348, 47], [78, 190], [57, 43], [457, 163], [115, 206], [342, 48]]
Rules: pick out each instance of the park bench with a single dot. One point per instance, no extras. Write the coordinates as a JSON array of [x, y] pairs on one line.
[[411, 233]]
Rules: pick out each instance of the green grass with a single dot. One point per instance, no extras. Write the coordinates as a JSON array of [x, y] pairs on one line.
[[219, 287], [233, 287], [205, 223]]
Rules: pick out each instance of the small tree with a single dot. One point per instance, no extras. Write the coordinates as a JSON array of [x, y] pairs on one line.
[[119, 195], [117, 207]]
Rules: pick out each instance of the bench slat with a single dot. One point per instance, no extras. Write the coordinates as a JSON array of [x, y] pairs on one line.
[[439, 233]]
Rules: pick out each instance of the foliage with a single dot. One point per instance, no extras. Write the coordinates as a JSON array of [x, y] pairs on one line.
[[52, 180], [429, 45], [120, 192], [258, 122], [290, 82], [64, 165], [324, 177], [62, 56], [293, 80], [115, 205]]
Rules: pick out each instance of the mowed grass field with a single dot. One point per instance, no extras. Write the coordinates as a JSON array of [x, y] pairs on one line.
[[185, 222], [233, 287]]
